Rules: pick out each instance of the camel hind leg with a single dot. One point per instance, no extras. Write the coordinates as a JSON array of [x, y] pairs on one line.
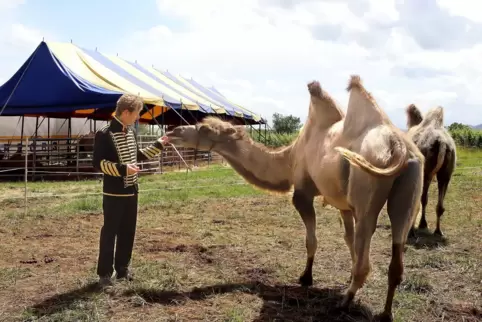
[[402, 207], [368, 195], [443, 179]]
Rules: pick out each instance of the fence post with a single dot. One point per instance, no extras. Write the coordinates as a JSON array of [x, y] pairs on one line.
[[26, 172]]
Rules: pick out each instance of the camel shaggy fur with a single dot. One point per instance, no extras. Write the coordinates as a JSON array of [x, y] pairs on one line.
[[439, 150], [357, 162]]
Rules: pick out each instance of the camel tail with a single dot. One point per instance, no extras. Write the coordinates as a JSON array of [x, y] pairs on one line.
[[418, 215], [359, 161], [441, 151]]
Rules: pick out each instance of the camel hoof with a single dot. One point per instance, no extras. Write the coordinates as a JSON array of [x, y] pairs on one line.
[[345, 303], [306, 280], [385, 317], [411, 233], [438, 233], [349, 279], [423, 225]]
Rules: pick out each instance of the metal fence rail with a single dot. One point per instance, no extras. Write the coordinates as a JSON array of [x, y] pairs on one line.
[[70, 158]]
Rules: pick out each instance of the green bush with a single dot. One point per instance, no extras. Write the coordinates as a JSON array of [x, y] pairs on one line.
[[467, 138], [273, 139]]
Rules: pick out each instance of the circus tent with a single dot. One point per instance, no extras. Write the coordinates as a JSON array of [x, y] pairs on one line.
[[62, 80]]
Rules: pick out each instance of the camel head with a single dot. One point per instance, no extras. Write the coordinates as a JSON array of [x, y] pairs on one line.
[[210, 133]]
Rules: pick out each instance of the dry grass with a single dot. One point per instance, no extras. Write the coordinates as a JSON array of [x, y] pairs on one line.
[[227, 252]]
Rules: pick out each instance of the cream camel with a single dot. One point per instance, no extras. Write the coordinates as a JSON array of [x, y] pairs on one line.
[[385, 167], [439, 150]]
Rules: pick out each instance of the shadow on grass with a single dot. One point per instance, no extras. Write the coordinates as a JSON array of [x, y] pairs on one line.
[[424, 238], [280, 302], [63, 301]]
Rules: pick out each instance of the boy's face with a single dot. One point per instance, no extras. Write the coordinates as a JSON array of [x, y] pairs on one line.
[[129, 118]]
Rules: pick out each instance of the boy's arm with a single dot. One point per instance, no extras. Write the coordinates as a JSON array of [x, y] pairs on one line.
[[99, 160], [150, 151]]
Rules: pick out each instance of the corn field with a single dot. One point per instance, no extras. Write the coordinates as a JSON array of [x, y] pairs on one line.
[[466, 138]]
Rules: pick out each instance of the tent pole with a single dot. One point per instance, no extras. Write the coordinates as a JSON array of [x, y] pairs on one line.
[[69, 135], [26, 174], [49, 142], [163, 131], [23, 128], [265, 133], [36, 127]]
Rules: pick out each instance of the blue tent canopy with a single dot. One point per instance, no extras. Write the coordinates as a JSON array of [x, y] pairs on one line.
[[43, 84]]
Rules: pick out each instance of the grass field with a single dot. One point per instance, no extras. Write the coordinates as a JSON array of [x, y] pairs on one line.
[[210, 247]]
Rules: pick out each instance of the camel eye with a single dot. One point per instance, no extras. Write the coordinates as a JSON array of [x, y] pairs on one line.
[[230, 131]]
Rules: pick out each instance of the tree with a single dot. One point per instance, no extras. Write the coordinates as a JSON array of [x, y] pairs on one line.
[[286, 124], [458, 126]]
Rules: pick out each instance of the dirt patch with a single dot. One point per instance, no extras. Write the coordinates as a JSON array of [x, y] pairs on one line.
[[458, 312], [207, 254], [40, 236], [46, 260], [260, 275]]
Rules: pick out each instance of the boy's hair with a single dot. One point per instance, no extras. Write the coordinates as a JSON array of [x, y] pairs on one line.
[[128, 102]]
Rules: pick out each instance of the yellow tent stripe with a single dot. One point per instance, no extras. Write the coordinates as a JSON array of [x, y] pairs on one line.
[[217, 108], [68, 54], [111, 77], [190, 105], [195, 90], [255, 117]]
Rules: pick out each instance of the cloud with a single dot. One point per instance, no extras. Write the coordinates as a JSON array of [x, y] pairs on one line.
[[17, 40], [10, 4], [262, 53]]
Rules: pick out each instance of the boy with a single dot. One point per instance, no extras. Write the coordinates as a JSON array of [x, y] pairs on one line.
[[116, 155]]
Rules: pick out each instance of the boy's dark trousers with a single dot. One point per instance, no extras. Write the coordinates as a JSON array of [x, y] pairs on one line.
[[120, 220]]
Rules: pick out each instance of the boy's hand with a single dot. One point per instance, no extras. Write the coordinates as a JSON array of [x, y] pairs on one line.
[[164, 140], [131, 169]]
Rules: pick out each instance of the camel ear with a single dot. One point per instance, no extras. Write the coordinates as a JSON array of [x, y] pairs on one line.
[[204, 129]]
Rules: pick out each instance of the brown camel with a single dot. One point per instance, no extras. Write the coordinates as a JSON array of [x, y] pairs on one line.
[[356, 162], [439, 150]]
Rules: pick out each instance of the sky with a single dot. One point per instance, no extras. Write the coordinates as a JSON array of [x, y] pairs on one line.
[[262, 53]]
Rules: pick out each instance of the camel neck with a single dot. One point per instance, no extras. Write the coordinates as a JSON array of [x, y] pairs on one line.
[[265, 168]]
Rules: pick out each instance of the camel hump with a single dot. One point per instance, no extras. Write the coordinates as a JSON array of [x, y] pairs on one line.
[[362, 112], [355, 83], [434, 117], [414, 116], [324, 105]]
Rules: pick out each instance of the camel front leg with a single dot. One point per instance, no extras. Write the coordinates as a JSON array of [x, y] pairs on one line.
[[304, 205]]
